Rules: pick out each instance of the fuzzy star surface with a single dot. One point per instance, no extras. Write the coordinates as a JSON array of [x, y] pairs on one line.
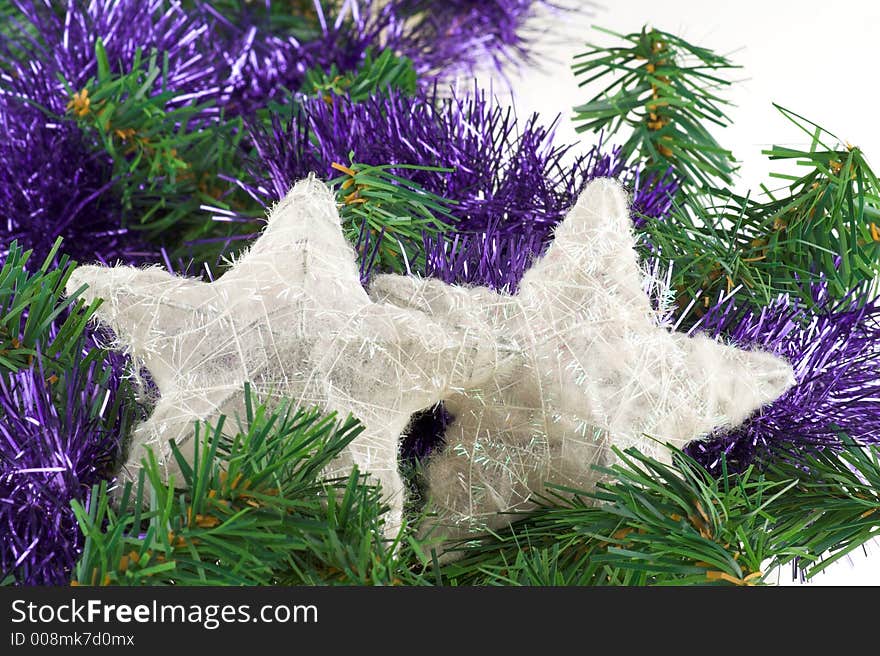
[[593, 369], [292, 319]]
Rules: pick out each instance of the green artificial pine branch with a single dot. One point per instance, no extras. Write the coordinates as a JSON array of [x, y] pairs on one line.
[[254, 512], [31, 307], [387, 215], [834, 508], [663, 89], [375, 76], [834, 207], [165, 155], [713, 248], [659, 524], [824, 225]]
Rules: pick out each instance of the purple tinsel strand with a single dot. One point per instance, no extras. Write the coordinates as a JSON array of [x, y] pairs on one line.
[[53, 182], [443, 40], [833, 348], [498, 258], [54, 444], [456, 37], [488, 259], [260, 64], [506, 177]]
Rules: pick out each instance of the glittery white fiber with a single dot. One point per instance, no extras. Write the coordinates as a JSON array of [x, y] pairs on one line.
[[291, 318], [593, 367]]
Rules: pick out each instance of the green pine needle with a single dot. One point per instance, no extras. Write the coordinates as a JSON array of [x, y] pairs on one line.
[[659, 524], [387, 215], [824, 225], [663, 89], [30, 303], [374, 76], [833, 209]]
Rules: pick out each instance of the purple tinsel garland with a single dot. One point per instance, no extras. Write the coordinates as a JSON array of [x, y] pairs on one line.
[[237, 62], [444, 40], [53, 181], [834, 348], [63, 42], [507, 179], [497, 257], [54, 445]]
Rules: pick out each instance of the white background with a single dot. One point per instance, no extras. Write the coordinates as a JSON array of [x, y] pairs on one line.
[[817, 58]]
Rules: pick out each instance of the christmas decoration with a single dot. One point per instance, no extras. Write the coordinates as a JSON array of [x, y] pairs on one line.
[[162, 132], [291, 319], [594, 370]]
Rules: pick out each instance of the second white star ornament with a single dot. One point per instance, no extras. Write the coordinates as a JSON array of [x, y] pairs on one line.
[[591, 369]]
